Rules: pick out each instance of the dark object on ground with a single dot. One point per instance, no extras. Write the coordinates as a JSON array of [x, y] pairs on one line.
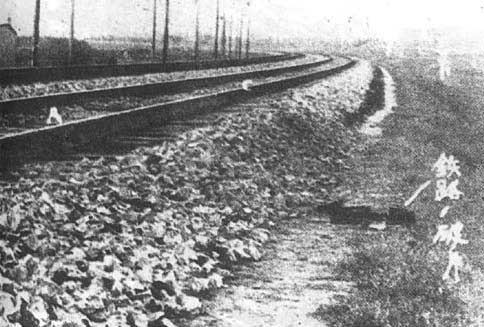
[[401, 216], [374, 99], [355, 215]]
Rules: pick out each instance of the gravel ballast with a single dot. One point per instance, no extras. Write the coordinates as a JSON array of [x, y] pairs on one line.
[[40, 89], [142, 239], [98, 106]]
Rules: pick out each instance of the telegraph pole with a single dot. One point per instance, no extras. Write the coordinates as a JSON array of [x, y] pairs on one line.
[[71, 39], [231, 27], [224, 30], [166, 34], [197, 31], [217, 19], [247, 41], [241, 27], [35, 43], [153, 41], [231, 23]]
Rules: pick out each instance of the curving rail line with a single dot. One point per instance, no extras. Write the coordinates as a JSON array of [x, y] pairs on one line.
[[37, 74], [38, 143], [30, 104]]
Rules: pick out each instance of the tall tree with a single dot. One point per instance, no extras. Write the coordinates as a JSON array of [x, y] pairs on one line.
[[217, 21], [35, 43], [153, 40], [166, 34], [197, 31], [71, 38]]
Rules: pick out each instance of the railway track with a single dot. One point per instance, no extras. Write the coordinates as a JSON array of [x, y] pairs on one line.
[[143, 125], [31, 104], [37, 74]]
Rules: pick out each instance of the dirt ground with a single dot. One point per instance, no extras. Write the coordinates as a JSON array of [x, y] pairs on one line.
[[295, 284], [294, 278], [289, 284]]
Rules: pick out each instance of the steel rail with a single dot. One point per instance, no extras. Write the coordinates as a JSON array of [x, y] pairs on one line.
[[56, 140], [30, 104], [38, 74]]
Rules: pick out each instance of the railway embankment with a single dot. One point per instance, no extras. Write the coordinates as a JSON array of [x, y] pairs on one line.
[[149, 237]]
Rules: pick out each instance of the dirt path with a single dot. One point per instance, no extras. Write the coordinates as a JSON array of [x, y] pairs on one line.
[[296, 275], [289, 284], [402, 269]]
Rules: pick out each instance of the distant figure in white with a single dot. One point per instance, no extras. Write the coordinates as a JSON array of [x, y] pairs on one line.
[[247, 84], [444, 65], [54, 117]]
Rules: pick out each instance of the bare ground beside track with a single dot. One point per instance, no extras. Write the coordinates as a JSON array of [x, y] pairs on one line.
[[293, 279], [224, 182], [318, 274]]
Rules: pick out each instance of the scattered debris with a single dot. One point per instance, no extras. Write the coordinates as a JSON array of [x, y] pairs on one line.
[[54, 117], [378, 225], [247, 84]]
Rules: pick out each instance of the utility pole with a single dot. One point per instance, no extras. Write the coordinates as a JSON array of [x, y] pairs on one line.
[[241, 28], [166, 34], [153, 40], [247, 41], [35, 41], [232, 29], [231, 23], [217, 19], [197, 31], [71, 39], [224, 30]]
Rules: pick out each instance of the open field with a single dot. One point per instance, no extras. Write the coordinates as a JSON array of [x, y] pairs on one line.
[[398, 272]]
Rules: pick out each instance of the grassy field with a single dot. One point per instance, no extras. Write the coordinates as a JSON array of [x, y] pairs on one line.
[[398, 272]]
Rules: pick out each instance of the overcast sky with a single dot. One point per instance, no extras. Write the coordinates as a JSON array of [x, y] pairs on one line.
[[276, 18]]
